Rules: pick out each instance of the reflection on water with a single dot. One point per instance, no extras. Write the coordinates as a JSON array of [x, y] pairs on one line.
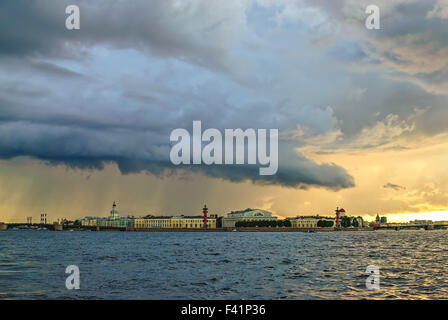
[[234, 265]]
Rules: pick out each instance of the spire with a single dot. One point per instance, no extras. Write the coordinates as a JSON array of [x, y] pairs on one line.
[[114, 212], [205, 211]]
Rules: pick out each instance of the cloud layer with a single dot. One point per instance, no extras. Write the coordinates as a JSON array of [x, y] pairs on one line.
[[113, 90]]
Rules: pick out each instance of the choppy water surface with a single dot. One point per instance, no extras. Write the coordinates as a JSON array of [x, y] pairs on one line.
[[233, 265]]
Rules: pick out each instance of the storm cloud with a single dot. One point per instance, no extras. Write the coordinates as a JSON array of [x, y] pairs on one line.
[[113, 90], [394, 186]]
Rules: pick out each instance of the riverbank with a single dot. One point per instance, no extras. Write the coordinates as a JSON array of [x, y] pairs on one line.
[[242, 229], [251, 229]]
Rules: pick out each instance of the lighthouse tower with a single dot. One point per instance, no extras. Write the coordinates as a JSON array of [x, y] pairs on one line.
[[205, 211]]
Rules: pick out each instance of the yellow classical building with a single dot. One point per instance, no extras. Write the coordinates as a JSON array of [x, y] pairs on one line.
[[192, 222], [304, 223], [307, 221], [152, 222], [185, 222]]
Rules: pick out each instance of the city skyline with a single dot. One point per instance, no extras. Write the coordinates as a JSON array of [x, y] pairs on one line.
[[86, 115], [403, 218]]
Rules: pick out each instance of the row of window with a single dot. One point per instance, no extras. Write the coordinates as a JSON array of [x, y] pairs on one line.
[[191, 225]]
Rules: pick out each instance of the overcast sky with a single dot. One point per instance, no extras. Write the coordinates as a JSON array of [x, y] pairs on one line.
[[85, 115]]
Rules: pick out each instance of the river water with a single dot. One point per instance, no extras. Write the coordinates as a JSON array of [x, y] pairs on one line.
[[223, 265]]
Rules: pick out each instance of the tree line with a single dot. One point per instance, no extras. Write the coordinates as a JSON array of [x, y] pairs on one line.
[[345, 222], [325, 223], [351, 222], [263, 223]]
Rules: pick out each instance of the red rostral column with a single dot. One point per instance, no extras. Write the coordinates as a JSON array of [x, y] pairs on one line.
[[204, 211], [337, 216]]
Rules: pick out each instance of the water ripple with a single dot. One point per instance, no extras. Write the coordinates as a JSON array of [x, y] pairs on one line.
[[153, 265]]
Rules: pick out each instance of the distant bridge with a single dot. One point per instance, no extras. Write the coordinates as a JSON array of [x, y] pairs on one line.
[[29, 226], [48, 226], [414, 225]]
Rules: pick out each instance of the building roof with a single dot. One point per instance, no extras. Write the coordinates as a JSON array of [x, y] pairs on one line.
[[242, 211], [155, 217], [313, 217], [250, 213], [177, 217]]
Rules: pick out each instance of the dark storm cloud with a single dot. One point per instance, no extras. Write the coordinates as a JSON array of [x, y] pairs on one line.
[[63, 112], [200, 32], [295, 171], [393, 186], [56, 105], [79, 146]]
